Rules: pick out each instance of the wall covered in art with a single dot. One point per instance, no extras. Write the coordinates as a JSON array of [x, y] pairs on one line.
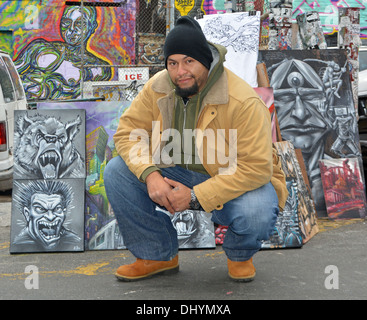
[[46, 41]]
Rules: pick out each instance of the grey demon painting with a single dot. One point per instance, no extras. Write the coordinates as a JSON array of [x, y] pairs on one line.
[[315, 108], [49, 144], [47, 216]]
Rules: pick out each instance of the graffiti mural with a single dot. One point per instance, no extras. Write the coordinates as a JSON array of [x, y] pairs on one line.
[[328, 12], [52, 69], [50, 44]]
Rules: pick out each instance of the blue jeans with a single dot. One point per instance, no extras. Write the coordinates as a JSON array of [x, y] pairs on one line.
[[149, 234]]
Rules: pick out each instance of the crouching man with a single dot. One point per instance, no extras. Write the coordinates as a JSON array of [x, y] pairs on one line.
[[218, 158]]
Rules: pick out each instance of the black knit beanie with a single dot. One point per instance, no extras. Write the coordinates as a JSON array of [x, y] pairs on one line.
[[187, 38]]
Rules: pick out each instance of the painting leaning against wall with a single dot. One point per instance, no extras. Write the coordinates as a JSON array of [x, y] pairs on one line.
[[314, 104]]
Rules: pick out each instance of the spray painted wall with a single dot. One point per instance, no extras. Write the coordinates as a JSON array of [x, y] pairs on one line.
[[47, 45], [38, 35], [328, 12]]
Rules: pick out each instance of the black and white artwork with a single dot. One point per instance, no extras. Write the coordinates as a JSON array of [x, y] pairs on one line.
[[239, 34], [286, 233], [194, 228], [49, 144], [47, 216], [315, 108]]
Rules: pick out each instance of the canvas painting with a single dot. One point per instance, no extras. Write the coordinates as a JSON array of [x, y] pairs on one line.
[[194, 228], [49, 144], [343, 188], [315, 109], [112, 90], [102, 118], [286, 233], [305, 205], [266, 94], [47, 216], [239, 33]]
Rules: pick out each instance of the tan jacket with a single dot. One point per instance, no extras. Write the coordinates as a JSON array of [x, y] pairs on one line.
[[230, 104]]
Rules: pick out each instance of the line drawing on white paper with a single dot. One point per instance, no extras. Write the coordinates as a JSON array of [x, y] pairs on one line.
[[237, 33]]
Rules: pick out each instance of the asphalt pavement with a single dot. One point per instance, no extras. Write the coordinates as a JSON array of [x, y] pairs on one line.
[[332, 265]]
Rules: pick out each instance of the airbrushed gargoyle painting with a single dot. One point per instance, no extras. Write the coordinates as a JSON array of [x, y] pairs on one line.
[[49, 144]]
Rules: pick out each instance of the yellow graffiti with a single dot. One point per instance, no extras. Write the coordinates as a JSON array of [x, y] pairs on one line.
[[184, 6]]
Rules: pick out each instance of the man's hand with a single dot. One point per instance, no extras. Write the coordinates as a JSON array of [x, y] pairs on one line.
[[172, 195], [180, 195], [158, 190]]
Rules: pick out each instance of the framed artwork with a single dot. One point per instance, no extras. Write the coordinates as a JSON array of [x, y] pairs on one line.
[[49, 144], [102, 117], [195, 229], [315, 108], [47, 216], [287, 232], [305, 205], [344, 189], [49, 174], [266, 94]]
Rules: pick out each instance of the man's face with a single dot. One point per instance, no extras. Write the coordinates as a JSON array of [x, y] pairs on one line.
[[188, 74], [45, 218], [72, 27]]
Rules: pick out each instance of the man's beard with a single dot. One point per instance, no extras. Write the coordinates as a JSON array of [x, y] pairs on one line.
[[187, 92]]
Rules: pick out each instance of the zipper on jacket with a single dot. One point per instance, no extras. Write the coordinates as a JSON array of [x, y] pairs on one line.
[[183, 130]]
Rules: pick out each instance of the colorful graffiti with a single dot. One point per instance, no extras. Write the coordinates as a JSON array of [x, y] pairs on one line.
[[37, 34], [328, 12], [48, 48]]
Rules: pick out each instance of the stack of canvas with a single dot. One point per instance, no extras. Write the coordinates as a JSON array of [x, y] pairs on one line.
[[49, 172], [315, 108]]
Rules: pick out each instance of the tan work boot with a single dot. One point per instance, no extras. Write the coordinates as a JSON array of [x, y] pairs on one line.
[[142, 269], [241, 270]]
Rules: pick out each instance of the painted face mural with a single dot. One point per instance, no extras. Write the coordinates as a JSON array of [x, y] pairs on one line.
[[52, 69], [71, 25]]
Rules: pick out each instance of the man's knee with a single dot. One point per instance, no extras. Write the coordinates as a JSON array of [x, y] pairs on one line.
[[113, 167], [260, 223]]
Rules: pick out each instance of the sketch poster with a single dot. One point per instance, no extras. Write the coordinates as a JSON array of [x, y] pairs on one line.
[[315, 108], [343, 188], [239, 33], [47, 216], [49, 144]]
